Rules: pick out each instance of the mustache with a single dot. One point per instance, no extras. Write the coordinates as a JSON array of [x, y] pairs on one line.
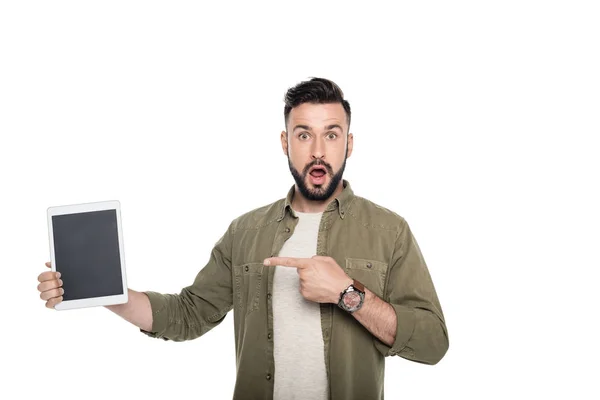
[[319, 163]]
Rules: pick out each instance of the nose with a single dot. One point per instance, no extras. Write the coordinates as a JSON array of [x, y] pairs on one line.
[[318, 148]]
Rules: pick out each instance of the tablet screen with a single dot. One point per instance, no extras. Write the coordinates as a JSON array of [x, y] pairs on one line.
[[86, 250]]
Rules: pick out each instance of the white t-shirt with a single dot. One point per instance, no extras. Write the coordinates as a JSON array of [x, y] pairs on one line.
[[297, 337]]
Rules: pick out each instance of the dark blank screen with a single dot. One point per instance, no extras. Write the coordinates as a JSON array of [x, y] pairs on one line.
[[86, 250]]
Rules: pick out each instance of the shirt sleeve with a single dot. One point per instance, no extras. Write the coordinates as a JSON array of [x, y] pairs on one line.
[[200, 306], [421, 333]]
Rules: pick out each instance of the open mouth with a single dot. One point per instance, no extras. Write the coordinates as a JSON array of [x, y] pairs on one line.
[[318, 175], [318, 171]]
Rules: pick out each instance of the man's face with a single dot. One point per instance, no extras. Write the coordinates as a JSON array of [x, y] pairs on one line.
[[317, 146]]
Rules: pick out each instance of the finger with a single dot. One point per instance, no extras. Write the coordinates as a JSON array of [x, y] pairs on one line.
[[53, 301], [48, 275], [288, 262], [48, 294], [48, 264], [47, 285], [322, 258]]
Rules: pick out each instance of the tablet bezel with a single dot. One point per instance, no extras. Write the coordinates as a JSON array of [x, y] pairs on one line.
[[81, 208]]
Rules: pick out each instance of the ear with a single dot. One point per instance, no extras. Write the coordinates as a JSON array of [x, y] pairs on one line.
[[350, 144], [284, 142]]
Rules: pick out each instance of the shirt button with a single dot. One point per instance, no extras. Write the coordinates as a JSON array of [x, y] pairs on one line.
[[269, 336], [287, 230], [268, 377], [268, 295], [369, 265], [246, 268]]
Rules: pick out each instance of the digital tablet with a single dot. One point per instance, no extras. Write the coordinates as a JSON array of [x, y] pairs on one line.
[[86, 247]]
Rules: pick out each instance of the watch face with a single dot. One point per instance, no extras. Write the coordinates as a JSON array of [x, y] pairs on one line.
[[351, 299]]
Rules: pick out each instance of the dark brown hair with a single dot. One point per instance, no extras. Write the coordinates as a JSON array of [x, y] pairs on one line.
[[316, 91]]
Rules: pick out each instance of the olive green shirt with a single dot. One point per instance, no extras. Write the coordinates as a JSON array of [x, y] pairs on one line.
[[371, 243]]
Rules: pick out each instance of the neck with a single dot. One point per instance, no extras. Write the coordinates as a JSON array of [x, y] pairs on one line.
[[302, 204]]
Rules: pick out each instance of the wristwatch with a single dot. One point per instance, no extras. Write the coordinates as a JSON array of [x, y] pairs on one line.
[[353, 297]]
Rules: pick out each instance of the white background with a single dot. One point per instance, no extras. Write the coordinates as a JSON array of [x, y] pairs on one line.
[[476, 121]]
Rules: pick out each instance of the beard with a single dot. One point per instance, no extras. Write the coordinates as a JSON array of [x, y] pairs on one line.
[[318, 192]]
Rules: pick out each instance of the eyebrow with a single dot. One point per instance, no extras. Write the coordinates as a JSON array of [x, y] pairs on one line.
[[328, 127]]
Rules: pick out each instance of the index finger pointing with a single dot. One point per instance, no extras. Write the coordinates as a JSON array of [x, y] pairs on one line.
[[287, 262]]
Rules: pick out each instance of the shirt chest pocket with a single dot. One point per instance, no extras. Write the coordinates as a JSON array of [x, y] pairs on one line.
[[370, 273], [248, 282]]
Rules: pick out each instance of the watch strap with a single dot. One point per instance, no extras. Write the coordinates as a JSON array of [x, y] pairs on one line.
[[359, 286]]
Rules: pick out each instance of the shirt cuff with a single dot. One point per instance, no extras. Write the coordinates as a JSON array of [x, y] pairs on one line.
[[160, 315], [405, 325]]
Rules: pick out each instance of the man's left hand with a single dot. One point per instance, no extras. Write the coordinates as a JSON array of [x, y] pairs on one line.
[[321, 278]]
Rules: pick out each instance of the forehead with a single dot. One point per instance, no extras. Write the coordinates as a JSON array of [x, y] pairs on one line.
[[317, 116]]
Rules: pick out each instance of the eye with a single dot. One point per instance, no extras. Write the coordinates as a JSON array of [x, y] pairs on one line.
[[332, 135], [303, 135]]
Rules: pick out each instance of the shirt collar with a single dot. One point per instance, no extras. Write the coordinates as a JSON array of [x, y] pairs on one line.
[[341, 202]]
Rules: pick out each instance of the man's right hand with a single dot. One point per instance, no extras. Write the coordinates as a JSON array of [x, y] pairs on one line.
[[50, 287]]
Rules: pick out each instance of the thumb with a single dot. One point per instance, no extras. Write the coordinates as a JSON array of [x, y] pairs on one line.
[[48, 264]]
